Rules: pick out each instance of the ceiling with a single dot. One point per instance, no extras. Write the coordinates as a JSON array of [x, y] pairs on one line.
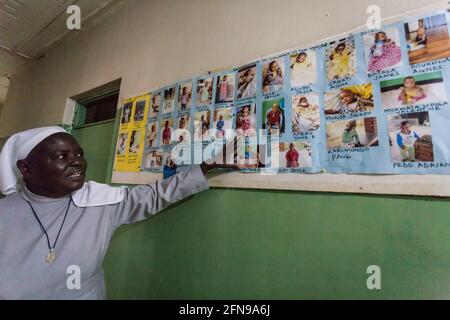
[[29, 28]]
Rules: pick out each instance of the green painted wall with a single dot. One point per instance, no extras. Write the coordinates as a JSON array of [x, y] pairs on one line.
[[242, 244], [96, 143], [230, 244]]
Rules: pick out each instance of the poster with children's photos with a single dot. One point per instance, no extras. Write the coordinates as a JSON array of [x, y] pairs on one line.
[[372, 102], [392, 118], [132, 129]]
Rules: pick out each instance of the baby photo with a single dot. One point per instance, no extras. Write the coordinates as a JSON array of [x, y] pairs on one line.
[[139, 112], [273, 119], [225, 88], [352, 133], [428, 39], [155, 103], [350, 99], [273, 75], [246, 82], [341, 60], [126, 112], [153, 160], [166, 131], [223, 120], [305, 113], [204, 91], [184, 126], [202, 124], [382, 50], [185, 96], [152, 133], [303, 68], [419, 89], [410, 137], [135, 141], [295, 154], [246, 120], [122, 144], [169, 101]]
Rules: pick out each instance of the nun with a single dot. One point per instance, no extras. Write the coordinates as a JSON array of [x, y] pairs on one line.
[[52, 221]]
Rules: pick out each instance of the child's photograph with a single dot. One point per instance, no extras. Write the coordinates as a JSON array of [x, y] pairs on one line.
[[410, 137], [126, 112], [305, 113], [247, 153], [427, 39], [382, 50], [169, 101], [135, 141], [139, 112], [303, 68], [419, 89], [349, 99], [341, 59], [153, 160], [204, 91], [167, 159], [166, 131], [184, 126], [350, 134], [246, 120], [152, 133], [246, 82], [202, 124], [185, 96], [155, 103], [273, 119], [122, 144], [273, 75], [223, 120], [225, 88], [295, 154]]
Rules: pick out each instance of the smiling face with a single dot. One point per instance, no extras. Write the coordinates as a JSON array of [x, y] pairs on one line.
[[55, 167]]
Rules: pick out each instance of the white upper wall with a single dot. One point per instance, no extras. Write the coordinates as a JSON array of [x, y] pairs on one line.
[[4, 84], [157, 42]]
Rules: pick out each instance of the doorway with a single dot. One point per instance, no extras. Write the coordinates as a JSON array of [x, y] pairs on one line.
[[93, 127]]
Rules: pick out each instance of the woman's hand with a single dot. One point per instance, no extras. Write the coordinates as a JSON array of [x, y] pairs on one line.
[[206, 167], [222, 155]]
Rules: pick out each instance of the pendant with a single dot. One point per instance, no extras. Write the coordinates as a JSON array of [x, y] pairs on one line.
[[50, 257]]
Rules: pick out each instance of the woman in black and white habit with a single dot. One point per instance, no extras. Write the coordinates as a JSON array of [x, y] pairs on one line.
[[51, 219]]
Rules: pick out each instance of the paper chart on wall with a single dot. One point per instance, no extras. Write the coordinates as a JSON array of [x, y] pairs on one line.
[[374, 102], [132, 130]]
